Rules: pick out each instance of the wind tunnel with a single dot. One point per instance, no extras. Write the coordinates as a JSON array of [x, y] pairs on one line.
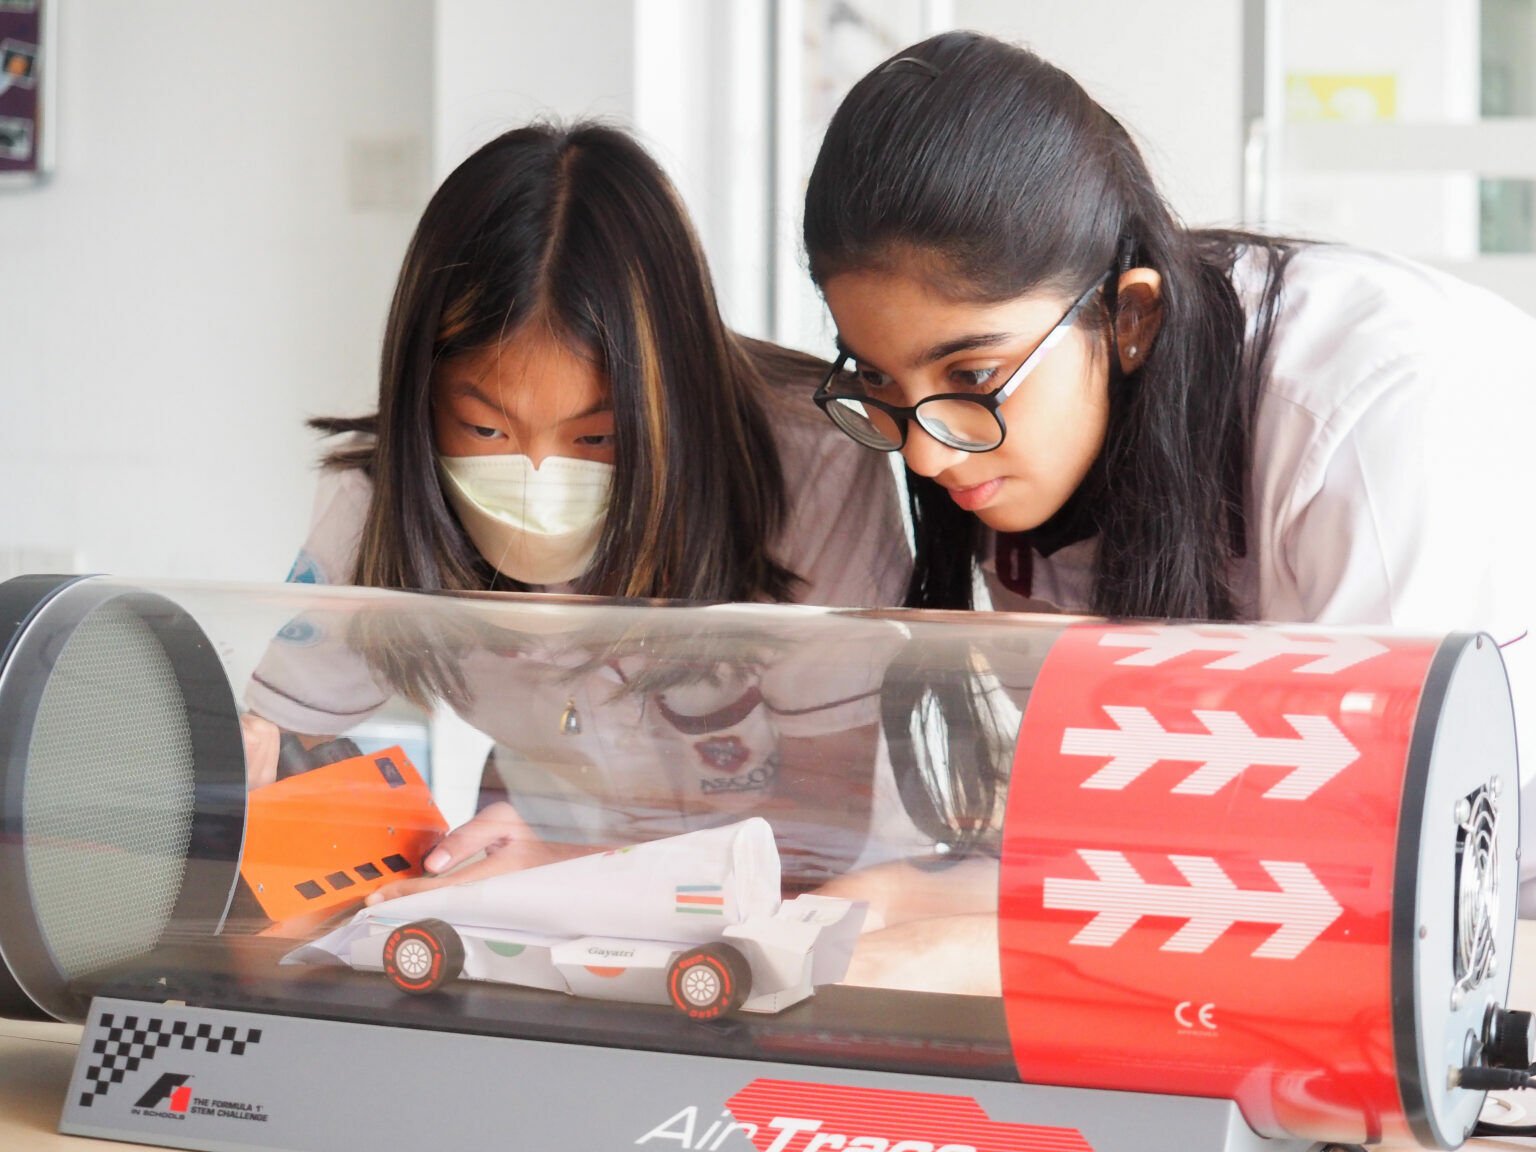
[[1064, 882]]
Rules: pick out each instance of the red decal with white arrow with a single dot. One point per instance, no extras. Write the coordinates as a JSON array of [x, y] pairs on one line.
[[1198, 861], [1246, 648], [1228, 747], [1209, 903]]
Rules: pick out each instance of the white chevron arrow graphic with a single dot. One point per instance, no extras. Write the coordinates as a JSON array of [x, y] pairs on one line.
[[1210, 903], [1245, 649], [1316, 754]]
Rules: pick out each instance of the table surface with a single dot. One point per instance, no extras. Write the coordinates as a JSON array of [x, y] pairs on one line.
[[37, 1059]]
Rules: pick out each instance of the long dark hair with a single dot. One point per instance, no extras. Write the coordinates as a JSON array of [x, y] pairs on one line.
[[1000, 174], [579, 230]]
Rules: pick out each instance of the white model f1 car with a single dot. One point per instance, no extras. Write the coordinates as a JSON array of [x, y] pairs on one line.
[[695, 921]]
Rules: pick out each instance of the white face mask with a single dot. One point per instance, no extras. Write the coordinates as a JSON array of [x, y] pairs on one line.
[[538, 525]]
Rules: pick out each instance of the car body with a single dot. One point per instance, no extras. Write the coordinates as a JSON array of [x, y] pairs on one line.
[[695, 921]]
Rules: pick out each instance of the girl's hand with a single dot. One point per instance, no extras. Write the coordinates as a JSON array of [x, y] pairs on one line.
[[898, 891], [495, 840], [954, 954], [262, 740]]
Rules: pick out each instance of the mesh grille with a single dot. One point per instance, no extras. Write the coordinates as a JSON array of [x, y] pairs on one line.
[[107, 811]]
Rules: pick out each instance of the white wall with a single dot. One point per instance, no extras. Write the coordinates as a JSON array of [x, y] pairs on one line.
[[703, 87], [501, 64], [1170, 70], [194, 280]]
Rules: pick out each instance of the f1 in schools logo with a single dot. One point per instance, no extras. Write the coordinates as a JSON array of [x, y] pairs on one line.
[[169, 1096]]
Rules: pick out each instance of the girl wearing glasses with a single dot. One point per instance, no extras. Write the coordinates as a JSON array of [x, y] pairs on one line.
[[562, 409], [1106, 411]]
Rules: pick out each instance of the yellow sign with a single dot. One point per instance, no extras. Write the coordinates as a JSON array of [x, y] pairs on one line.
[[1360, 99]]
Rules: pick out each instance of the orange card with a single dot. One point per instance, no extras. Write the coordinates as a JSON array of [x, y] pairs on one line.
[[322, 840]]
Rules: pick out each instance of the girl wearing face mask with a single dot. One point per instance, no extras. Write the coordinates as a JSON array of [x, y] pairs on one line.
[[562, 409], [1103, 410]]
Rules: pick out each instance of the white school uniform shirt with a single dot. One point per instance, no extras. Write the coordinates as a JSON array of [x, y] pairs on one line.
[[1394, 471], [707, 748]]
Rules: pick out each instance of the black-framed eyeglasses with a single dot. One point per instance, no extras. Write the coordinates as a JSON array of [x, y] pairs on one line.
[[957, 419]]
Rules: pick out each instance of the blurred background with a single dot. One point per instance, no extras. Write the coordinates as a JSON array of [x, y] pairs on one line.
[[200, 229]]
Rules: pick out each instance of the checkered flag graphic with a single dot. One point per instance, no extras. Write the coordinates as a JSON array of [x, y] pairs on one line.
[[132, 1042]]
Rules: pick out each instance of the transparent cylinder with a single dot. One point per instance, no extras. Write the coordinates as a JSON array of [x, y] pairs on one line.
[[1268, 864]]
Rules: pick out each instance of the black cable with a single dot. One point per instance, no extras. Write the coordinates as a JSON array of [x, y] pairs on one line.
[[1487, 1128], [1497, 1079], [1493, 1079]]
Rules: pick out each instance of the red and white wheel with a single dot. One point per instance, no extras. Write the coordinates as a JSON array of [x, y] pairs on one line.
[[423, 956], [709, 981]]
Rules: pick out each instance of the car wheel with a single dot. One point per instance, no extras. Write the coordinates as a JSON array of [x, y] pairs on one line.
[[709, 981], [423, 956]]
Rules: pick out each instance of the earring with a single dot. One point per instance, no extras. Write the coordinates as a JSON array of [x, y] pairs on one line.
[[570, 720], [1131, 351]]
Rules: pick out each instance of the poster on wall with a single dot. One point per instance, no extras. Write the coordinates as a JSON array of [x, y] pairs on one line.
[[23, 108]]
